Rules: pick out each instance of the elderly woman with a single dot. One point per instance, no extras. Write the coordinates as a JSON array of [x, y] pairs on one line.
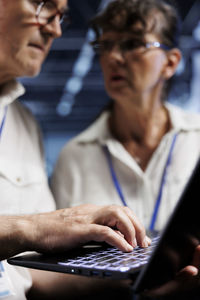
[[141, 151]]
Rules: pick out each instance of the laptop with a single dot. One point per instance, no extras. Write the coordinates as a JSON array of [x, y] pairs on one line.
[[148, 267]]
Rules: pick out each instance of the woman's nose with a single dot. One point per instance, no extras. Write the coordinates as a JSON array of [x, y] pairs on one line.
[[116, 54]]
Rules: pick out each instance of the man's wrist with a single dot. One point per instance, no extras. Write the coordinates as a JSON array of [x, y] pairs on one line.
[[14, 236]]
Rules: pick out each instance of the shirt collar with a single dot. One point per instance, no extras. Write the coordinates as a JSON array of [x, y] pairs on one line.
[[99, 130], [10, 92], [182, 120]]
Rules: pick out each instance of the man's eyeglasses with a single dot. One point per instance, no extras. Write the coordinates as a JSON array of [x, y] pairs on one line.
[[101, 47], [47, 11]]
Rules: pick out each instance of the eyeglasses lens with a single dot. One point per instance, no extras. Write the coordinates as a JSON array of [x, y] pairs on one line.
[[48, 11], [124, 45]]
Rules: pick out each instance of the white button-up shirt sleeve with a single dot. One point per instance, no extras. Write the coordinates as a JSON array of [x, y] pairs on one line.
[[23, 182]]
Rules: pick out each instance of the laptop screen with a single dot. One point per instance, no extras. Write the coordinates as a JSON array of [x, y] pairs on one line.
[[181, 235]]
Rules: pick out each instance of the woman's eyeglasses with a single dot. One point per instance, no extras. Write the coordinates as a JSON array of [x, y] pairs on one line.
[[47, 11], [101, 47]]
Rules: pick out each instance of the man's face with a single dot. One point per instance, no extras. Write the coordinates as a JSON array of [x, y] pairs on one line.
[[24, 44]]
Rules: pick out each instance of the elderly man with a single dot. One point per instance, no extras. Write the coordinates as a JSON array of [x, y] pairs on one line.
[[28, 220]]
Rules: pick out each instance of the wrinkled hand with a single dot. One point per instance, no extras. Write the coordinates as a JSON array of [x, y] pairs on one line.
[[186, 284], [71, 227]]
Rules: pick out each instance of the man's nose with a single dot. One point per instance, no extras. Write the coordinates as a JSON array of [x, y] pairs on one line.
[[53, 27]]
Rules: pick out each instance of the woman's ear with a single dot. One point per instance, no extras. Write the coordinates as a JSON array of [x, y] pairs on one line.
[[173, 59]]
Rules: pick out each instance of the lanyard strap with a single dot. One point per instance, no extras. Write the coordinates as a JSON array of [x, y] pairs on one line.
[[114, 176], [3, 120], [163, 180], [1, 129]]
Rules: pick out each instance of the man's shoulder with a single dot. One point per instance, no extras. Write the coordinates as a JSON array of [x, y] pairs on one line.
[[18, 107], [24, 118]]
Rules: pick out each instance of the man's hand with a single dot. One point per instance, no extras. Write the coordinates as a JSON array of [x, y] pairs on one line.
[[67, 228], [64, 229]]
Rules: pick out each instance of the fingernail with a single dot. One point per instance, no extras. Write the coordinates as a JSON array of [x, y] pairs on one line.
[[145, 243], [134, 242], [129, 248], [148, 240]]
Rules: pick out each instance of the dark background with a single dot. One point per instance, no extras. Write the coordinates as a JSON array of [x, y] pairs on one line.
[[69, 93]]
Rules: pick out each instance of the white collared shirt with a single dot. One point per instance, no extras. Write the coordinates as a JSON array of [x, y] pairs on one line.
[[82, 174], [23, 182]]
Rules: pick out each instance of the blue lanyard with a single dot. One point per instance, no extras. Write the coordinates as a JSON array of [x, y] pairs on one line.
[[3, 120], [163, 180], [1, 129], [114, 176]]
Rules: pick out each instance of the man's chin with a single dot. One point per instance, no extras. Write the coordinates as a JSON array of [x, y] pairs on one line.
[[33, 72]]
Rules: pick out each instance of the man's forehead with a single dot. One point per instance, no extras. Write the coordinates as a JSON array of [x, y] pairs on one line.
[[59, 3]]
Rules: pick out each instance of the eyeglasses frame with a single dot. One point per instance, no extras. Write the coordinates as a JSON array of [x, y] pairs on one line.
[[38, 11], [148, 45]]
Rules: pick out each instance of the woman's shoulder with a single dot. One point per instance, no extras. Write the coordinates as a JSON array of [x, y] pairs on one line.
[[91, 135], [185, 119]]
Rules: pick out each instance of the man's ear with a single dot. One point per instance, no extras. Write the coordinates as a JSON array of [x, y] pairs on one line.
[[173, 59]]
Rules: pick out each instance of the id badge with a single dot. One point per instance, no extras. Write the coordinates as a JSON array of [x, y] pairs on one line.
[[6, 289]]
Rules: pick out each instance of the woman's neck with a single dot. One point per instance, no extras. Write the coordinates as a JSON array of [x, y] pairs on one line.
[[139, 124], [139, 130]]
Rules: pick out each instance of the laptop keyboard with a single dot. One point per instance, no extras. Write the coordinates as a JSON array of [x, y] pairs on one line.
[[113, 259]]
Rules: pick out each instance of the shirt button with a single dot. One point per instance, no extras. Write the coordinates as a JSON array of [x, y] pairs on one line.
[[18, 179]]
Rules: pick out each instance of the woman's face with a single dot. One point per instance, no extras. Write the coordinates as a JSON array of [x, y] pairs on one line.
[[130, 73]]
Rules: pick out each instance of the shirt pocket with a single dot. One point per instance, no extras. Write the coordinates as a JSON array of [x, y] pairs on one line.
[[22, 174], [24, 189]]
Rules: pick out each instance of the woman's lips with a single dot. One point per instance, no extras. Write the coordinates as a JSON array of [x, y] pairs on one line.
[[117, 78]]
